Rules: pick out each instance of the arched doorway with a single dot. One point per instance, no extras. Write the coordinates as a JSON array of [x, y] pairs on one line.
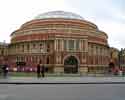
[[70, 65]]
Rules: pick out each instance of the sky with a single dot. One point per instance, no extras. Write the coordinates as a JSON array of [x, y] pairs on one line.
[[108, 15]]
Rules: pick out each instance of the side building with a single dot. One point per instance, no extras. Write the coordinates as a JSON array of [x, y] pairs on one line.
[[3, 52]]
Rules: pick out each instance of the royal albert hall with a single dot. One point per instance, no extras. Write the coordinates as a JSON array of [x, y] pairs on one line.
[[65, 43]]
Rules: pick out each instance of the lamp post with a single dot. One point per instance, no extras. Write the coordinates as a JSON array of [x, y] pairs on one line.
[[119, 57]]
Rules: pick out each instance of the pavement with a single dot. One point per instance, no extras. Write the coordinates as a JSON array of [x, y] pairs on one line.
[[62, 92], [62, 88], [63, 80]]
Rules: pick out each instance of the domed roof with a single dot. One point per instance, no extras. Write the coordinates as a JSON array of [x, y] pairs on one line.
[[59, 14]]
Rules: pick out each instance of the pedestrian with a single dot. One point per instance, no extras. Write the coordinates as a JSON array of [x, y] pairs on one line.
[[116, 71], [5, 70], [39, 69], [123, 71], [43, 71]]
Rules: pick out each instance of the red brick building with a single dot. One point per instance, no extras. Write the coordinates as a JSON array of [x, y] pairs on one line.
[[64, 41]]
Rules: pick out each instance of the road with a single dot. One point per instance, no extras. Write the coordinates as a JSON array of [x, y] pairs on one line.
[[62, 92]]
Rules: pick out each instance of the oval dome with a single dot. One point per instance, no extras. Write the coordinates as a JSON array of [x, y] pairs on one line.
[[59, 14]]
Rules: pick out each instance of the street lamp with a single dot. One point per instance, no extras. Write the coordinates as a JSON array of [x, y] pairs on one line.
[[121, 57]]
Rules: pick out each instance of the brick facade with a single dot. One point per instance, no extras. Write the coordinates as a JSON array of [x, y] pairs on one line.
[[53, 40]]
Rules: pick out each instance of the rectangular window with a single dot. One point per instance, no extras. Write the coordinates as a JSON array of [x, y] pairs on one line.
[[65, 45], [77, 44], [22, 59], [28, 47], [90, 52], [22, 48], [48, 47], [47, 60], [2, 52], [17, 59], [34, 46], [71, 44]]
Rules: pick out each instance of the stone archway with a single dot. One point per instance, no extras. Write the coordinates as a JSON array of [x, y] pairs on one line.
[[70, 65]]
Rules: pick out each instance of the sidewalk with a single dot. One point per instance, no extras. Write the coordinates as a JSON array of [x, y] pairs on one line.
[[63, 80]]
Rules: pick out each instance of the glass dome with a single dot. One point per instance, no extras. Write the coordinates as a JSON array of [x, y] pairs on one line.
[[59, 14]]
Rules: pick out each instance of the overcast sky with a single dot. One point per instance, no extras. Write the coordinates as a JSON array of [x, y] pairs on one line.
[[108, 15]]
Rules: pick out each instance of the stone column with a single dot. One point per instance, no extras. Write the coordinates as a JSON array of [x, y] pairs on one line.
[[56, 45], [67, 45], [75, 45], [86, 45], [62, 45], [80, 45], [94, 55]]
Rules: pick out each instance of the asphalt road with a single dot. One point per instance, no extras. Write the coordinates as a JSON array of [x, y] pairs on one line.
[[62, 92]]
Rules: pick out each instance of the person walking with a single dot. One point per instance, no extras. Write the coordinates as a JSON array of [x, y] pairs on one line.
[[39, 70], [5, 70], [43, 71]]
